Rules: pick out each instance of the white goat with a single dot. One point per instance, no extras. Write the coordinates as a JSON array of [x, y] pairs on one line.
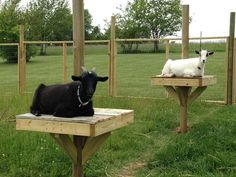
[[190, 67]]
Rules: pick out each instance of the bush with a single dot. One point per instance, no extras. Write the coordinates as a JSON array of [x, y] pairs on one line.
[[10, 53]]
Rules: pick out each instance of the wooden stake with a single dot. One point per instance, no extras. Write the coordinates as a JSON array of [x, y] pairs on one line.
[[21, 62], [230, 62], [112, 60], [78, 35], [185, 31]]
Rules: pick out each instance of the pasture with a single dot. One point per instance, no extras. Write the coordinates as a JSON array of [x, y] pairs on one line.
[[147, 148]]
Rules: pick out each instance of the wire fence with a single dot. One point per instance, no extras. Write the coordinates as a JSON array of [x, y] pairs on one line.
[[133, 70]]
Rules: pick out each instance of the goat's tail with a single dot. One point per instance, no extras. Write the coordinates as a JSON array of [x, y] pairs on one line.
[[35, 109], [166, 68]]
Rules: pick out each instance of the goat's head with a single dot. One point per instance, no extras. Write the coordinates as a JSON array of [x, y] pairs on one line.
[[89, 81], [203, 54]]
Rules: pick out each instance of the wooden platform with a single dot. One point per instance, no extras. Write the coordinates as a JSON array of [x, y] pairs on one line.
[[79, 137], [180, 88], [104, 120], [184, 81]]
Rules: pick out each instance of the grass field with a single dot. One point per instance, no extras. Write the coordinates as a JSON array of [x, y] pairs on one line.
[[147, 148], [133, 71]]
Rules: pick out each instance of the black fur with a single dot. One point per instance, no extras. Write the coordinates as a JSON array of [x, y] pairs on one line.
[[61, 100]]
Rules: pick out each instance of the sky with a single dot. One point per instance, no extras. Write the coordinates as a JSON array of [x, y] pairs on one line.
[[209, 16]]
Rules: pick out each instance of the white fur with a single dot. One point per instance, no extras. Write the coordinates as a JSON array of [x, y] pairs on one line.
[[190, 67]]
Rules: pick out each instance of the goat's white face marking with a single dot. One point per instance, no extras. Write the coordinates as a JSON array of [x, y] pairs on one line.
[[203, 56]]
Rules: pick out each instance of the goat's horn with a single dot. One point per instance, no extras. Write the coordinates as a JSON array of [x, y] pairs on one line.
[[84, 69], [94, 69]]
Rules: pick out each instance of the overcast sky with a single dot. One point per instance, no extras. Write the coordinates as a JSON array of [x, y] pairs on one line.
[[209, 16]]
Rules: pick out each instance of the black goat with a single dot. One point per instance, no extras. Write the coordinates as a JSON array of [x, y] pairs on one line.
[[67, 100]]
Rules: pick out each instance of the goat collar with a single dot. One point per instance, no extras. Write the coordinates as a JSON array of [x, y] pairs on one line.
[[80, 101]]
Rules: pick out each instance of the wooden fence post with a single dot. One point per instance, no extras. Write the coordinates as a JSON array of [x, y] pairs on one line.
[[185, 31], [78, 35], [167, 42], [21, 62], [64, 62], [230, 63], [167, 56], [112, 59], [234, 73], [226, 71]]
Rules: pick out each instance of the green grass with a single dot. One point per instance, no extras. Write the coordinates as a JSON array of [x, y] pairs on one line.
[[133, 72], [208, 149], [149, 147]]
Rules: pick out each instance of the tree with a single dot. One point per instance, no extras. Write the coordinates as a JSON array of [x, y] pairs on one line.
[[48, 20], [11, 16], [150, 18], [164, 18], [91, 32], [87, 24], [96, 34]]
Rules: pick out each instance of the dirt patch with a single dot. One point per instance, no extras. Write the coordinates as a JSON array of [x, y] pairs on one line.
[[130, 169]]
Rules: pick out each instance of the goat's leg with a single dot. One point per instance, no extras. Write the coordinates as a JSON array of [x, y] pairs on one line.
[[169, 75], [88, 112], [189, 74], [34, 108]]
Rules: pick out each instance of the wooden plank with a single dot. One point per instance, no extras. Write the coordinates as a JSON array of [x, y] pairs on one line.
[[66, 144], [83, 119], [101, 114], [195, 94], [104, 120], [112, 124], [172, 92], [92, 144], [60, 42], [169, 38], [208, 80], [184, 81], [9, 44], [53, 127], [48, 42]]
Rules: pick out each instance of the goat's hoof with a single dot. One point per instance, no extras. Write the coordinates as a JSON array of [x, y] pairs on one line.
[[160, 75], [36, 113]]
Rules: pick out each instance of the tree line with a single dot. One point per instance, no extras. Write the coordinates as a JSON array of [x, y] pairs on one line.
[[46, 20]]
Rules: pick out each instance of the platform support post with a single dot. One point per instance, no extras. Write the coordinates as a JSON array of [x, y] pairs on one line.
[[77, 167]]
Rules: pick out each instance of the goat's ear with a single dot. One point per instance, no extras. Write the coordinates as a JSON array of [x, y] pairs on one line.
[[197, 52], [210, 53], [76, 78], [102, 79]]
